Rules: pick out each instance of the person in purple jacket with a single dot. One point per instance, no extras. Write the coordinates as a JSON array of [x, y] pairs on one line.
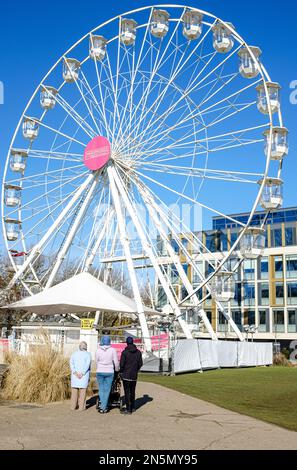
[[107, 364]]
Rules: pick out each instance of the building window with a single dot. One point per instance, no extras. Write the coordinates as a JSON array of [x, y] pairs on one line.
[[249, 294], [290, 236], [263, 326], [248, 269], [192, 317], [291, 267], [279, 321], [197, 276], [236, 302], [174, 277], [249, 317], [185, 243], [276, 237], [199, 293], [224, 241], [237, 318], [209, 268], [209, 316], [292, 293], [186, 268], [175, 246], [233, 238], [278, 267], [161, 248], [208, 301], [162, 297], [223, 324], [279, 293], [292, 321], [184, 293], [264, 269], [264, 294], [212, 242], [231, 264]]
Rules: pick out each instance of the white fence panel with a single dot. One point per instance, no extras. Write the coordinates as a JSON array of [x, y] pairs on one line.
[[247, 354], [186, 356], [208, 354], [264, 354], [228, 353]]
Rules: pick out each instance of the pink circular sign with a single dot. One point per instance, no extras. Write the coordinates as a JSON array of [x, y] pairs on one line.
[[97, 153]]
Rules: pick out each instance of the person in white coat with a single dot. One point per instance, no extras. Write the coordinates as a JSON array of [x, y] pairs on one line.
[[80, 364]]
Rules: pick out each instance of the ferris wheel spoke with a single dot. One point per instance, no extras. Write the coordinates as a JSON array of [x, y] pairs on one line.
[[177, 125], [181, 144], [208, 152], [82, 95], [201, 172], [228, 98], [99, 108], [54, 190], [163, 124], [179, 68], [125, 140], [38, 175], [57, 203], [46, 154], [103, 101], [204, 206], [72, 113], [124, 87], [80, 84], [157, 63], [57, 132], [191, 89], [116, 111], [133, 78]]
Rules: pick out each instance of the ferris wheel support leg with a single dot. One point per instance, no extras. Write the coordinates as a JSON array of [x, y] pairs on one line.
[[71, 234], [37, 248], [130, 265], [152, 208], [148, 250]]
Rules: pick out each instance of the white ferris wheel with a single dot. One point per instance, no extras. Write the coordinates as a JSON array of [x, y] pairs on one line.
[[161, 106]]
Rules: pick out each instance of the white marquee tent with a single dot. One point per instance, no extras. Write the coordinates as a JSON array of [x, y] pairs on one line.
[[81, 293]]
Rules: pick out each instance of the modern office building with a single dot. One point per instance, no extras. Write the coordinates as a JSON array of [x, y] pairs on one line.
[[265, 288]]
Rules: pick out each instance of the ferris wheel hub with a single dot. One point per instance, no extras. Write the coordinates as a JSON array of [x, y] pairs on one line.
[[97, 153]]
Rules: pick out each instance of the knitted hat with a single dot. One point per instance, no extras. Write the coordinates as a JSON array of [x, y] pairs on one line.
[[105, 340]]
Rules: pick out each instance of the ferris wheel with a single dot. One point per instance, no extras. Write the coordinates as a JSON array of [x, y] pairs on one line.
[[149, 116]]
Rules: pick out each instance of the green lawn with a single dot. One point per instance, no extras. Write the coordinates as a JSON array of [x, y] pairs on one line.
[[266, 393]]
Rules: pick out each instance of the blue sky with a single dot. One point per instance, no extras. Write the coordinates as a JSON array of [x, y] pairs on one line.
[[34, 35]]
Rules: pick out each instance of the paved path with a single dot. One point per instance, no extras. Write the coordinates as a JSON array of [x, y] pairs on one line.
[[165, 420]]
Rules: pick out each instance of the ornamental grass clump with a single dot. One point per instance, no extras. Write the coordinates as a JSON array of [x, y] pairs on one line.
[[42, 376], [280, 359]]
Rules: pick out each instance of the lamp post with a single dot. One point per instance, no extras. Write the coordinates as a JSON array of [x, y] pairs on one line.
[[250, 329]]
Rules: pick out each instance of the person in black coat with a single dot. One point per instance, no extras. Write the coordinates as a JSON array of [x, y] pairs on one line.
[[130, 363]]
